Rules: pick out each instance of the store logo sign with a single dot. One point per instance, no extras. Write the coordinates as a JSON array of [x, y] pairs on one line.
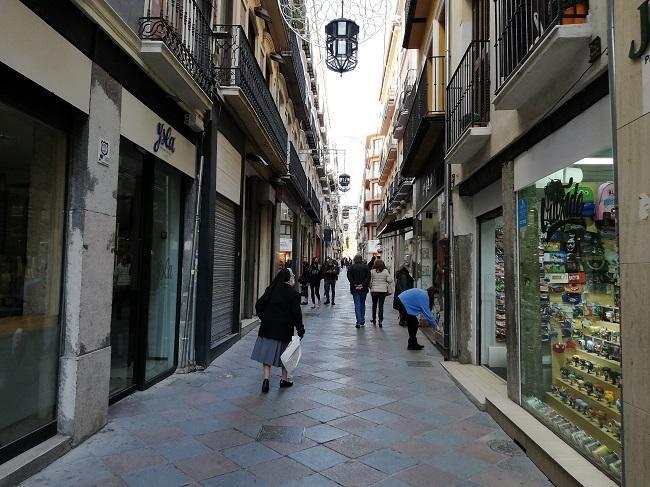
[[644, 14], [165, 139]]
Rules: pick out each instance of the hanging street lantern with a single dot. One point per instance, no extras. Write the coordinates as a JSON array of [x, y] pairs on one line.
[[346, 213], [344, 182], [342, 45]]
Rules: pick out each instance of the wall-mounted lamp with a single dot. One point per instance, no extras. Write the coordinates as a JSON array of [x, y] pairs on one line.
[[263, 14], [255, 158]]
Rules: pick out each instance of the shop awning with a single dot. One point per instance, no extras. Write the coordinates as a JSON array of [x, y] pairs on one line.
[[395, 226]]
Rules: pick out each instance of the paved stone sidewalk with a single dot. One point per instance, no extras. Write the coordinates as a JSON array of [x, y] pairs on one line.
[[372, 413]]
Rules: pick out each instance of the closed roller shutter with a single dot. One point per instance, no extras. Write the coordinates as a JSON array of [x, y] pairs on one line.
[[224, 288]]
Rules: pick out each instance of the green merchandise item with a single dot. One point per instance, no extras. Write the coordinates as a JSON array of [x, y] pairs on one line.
[[586, 192]]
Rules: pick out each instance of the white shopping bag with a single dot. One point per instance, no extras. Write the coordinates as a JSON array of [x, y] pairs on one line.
[[291, 355]]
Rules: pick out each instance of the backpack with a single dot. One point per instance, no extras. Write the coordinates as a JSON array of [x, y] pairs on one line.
[[606, 202]]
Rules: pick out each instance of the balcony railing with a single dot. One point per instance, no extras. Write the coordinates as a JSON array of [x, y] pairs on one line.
[[298, 176], [403, 104], [428, 100], [468, 92], [295, 75], [236, 66], [185, 30], [521, 26]]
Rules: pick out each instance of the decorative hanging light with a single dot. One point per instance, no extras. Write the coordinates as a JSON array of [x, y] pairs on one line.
[[344, 182], [346, 213], [342, 44]]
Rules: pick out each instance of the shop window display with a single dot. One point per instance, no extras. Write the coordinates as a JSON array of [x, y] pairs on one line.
[[570, 327]]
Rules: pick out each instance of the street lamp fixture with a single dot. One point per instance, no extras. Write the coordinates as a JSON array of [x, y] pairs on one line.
[[342, 44]]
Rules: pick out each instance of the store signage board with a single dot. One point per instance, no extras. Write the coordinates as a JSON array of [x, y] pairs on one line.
[[164, 139], [522, 207], [639, 50], [103, 152]]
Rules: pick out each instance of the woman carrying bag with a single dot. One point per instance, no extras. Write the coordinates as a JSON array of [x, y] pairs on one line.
[[280, 313], [380, 286]]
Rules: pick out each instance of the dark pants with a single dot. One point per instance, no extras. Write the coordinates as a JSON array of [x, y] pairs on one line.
[[330, 286], [315, 292], [411, 323], [378, 300]]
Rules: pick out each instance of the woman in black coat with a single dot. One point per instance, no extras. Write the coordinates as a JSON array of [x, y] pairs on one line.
[[315, 277], [279, 311]]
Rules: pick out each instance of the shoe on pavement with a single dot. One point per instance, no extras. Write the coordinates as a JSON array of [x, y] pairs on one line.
[[357, 325], [326, 302], [265, 386], [285, 383], [333, 303], [416, 346]]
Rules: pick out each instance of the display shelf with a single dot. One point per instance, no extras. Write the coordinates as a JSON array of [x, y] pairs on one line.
[[580, 420], [597, 359], [593, 402], [608, 325], [594, 337], [595, 378]]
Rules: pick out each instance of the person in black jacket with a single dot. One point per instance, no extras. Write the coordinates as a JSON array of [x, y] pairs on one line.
[[403, 281], [359, 277], [280, 313], [315, 277], [331, 274]]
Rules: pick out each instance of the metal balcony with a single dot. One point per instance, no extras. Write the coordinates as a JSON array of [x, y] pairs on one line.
[[388, 157], [387, 113], [404, 103], [468, 104], [244, 87], [540, 46], [426, 123], [298, 181], [176, 42], [294, 73]]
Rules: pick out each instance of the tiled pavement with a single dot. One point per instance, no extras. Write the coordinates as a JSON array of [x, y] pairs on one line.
[[368, 418]]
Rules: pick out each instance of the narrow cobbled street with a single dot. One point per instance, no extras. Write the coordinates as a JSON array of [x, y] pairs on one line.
[[363, 411]]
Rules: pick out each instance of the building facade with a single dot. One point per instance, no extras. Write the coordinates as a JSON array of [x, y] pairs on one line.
[[155, 175]]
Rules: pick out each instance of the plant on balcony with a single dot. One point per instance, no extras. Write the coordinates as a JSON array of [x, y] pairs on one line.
[[569, 11]]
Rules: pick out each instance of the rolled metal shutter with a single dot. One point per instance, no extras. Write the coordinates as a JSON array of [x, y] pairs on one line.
[[224, 269]]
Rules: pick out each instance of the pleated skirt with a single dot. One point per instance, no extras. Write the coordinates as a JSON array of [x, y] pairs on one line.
[[268, 351]]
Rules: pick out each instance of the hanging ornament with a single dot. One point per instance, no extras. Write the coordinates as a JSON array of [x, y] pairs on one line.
[[346, 213], [342, 45], [308, 18], [344, 182]]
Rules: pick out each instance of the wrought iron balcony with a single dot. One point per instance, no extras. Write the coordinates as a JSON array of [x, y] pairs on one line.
[[315, 207], [294, 73], [468, 93], [298, 176], [404, 103], [388, 157], [522, 25], [236, 67], [184, 29], [426, 121]]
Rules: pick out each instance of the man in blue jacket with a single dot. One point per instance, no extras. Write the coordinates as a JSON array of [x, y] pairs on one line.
[[412, 303]]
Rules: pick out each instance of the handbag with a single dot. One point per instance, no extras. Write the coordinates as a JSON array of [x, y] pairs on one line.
[[390, 288], [291, 355]]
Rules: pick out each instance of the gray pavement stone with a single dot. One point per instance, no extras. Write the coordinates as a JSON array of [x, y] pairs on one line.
[[318, 458], [369, 418]]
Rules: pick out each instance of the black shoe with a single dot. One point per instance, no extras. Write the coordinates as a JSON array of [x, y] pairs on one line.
[[415, 346], [357, 325], [285, 383], [333, 303], [265, 386], [380, 324], [326, 302], [374, 323]]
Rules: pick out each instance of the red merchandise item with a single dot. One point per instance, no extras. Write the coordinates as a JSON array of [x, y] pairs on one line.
[[559, 347], [570, 343], [577, 278]]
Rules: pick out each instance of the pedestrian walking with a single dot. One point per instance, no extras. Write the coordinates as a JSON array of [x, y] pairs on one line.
[[371, 262], [414, 302], [315, 277], [279, 311], [359, 277], [304, 282], [380, 283], [403, 281], [331, 274]]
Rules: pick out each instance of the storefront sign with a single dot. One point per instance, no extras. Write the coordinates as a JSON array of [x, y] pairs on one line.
[[103, 152], [286, 244], [559, 207], [165, 139], [644, 19], [523, 212]]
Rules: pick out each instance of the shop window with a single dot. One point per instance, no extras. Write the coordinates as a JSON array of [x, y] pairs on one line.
[[32, 172], [569, 309]]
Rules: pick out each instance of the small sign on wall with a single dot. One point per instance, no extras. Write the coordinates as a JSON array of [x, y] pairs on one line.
[[103, 152]]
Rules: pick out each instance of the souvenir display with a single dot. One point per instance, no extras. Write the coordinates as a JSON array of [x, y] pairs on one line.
[[578, 387], [500, 318]]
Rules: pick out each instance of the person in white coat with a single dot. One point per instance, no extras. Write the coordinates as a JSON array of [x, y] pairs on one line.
[[380, 283]]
